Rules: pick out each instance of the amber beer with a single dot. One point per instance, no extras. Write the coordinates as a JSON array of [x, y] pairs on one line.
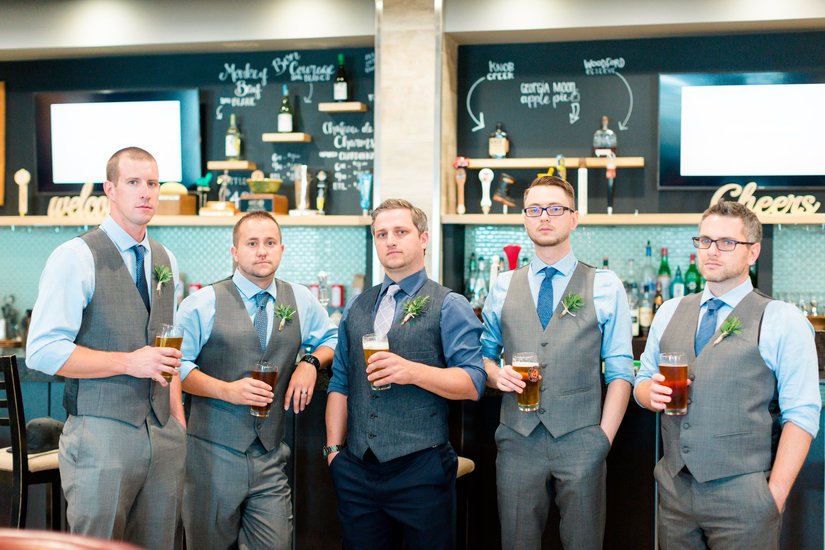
[[268, 374], [169, 336], [527, 365], [372, 344], [674, 367]]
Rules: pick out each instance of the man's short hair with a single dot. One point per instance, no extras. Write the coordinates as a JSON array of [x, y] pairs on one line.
[[258, 215], [553, 181], [419, 217], [134, 153], [753, 227]]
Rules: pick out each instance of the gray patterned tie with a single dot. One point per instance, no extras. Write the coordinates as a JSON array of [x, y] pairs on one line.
[[140, 280], [260, 317], [386, 311]]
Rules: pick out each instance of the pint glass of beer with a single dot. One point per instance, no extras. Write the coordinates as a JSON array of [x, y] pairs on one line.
[[527, 365], [674, 367], [169, 336], [373, 343], [267, 373]]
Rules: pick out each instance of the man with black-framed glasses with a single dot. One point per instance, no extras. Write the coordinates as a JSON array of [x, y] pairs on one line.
[[753, 402], [573, 316]]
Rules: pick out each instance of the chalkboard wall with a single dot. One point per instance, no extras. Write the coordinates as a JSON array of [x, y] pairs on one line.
[[248, 84], [551, 97]]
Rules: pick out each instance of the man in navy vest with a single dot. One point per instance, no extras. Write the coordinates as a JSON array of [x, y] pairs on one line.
[[392, 465], [236, 493], [97, 312], [559, 450], [726, 470]]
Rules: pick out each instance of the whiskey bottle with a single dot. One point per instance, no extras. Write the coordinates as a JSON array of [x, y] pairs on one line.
[[499, 144], [604, 140], [340, 87], [233, 140]]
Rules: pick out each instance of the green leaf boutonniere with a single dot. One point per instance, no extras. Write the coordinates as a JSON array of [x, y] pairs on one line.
[[163, 274], [284, 313], [414, 307], [571, 302], [731, 326]]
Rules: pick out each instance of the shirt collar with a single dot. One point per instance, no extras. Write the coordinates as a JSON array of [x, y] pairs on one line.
[[123, 241], [732, 297], [565, 266], [410, 285], [249, 289]]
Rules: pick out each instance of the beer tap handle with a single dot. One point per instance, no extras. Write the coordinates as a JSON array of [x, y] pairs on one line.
[[486, 177], [460, 178]]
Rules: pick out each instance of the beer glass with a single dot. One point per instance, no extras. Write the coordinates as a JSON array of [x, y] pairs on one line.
[[372, 344], [527, 365], [674, 367], [169, 336], [267, 373]]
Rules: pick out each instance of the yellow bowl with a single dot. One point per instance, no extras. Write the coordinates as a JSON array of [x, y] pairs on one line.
[[264, 185]]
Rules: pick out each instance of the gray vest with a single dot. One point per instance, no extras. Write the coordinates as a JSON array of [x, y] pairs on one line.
[[569, 352], [404, 418], [232, 350], [116, 320], [732, 417]]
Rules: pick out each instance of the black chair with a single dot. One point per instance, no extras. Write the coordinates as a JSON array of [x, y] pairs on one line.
[[18, 468]]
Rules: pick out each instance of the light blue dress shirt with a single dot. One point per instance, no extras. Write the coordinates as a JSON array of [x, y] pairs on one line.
[[460, 331], [786, 343], [609, 299], [66, 288], [196, 315]]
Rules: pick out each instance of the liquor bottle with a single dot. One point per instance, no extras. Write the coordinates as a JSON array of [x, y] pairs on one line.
[[658, 299], [340, 87], [499, 144], [649, 272], [633, 303], [645, 312], [480, 285], [677, 289], [496, 267], [630, 279], [233, 140], [285, 112], [664, 275], [605, 263], [692, 278], [604, 140], [472, 274]]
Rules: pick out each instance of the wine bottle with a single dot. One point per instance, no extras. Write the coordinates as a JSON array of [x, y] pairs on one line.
[[233, 140], [285, 112], [340, 87], [499, 143], [604, 140], [677, 289], [693, 282], [664, 275], [645, 312]]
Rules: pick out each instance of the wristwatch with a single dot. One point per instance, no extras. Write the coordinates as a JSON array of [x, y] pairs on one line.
[[332, 449], [312, 360]]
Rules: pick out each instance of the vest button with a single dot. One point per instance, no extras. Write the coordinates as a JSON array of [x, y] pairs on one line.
[[372, 436], [542, 388], [544, 344], [686, 426], [691, 377], [372, 415], [542, 411], [690, 400], [685, 450], [373, 396]]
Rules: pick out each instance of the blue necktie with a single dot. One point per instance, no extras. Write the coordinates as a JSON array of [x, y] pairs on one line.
[[140, 280], [708, 325], [261, 299], [545, 305]]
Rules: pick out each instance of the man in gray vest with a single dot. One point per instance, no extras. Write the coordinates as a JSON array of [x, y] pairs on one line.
[[573, 317], [392, 465], [99, 307], [726, 470], [236, 493]]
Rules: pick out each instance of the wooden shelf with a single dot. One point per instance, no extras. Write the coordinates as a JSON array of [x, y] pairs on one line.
[[569, 162], [187, 221], [287, 137], [342, 107], [230, 165], [626, 219]]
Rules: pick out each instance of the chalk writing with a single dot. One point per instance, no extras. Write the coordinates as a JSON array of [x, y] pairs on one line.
[[500, 71], [605, 65], [535, 94], [369, 63]]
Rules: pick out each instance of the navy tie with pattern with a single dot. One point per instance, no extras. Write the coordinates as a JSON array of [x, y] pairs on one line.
[[140, 280], [545, 304], [261, 299], [708, 325]]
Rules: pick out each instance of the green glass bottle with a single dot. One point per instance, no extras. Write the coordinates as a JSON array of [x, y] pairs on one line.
[[285, 112], [693, 280], [340, 87], [664, 275]]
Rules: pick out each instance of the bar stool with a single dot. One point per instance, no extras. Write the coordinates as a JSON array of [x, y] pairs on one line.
[[18, 468]]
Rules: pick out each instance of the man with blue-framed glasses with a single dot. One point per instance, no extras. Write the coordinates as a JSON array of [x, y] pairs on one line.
[[573, 316]]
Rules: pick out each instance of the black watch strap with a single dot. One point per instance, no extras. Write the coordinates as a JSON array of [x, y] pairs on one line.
[[332, 449], [312, 360]]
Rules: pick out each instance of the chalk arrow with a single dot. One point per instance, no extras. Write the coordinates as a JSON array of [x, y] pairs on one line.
[[308, 99], [219, 113], [480, 120], [574, 113], [623, 124]]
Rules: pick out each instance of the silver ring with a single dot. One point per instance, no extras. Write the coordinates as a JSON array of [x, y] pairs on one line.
[[304, 393]]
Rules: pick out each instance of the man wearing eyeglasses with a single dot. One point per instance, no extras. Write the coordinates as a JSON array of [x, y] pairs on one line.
[[557, 452], [753, 402]]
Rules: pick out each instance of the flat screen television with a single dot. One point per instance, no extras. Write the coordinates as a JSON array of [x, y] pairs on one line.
[[716, 129], [77, 133]]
